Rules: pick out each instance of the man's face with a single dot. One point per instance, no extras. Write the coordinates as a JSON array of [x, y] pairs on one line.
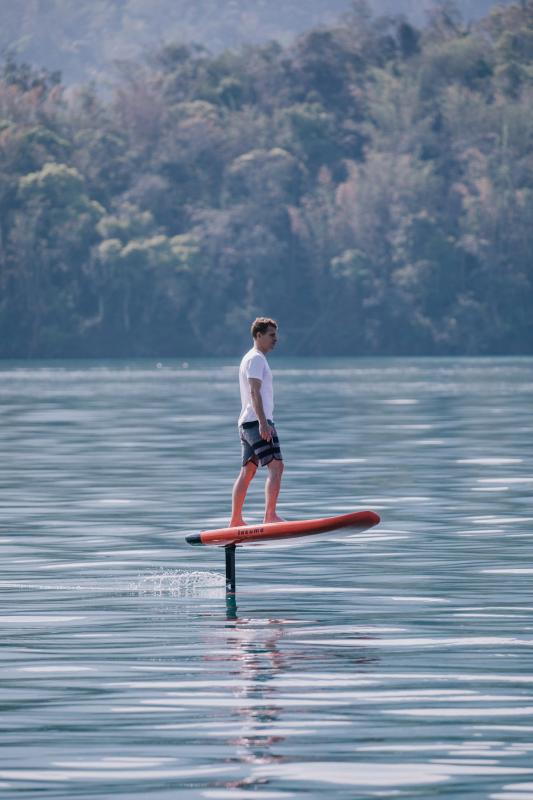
[[267, 341]]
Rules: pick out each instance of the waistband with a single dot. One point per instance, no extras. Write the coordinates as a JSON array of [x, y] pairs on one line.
[[255, 422]]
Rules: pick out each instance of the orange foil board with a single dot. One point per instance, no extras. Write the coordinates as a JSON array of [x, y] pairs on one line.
[[268, 532]]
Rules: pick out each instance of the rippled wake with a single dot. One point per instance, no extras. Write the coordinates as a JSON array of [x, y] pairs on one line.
[[174, 583]]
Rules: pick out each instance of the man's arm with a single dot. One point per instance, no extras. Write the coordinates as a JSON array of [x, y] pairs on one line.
[[257, 403]]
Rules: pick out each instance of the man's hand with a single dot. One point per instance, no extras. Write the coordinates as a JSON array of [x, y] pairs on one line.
[[265, 431]]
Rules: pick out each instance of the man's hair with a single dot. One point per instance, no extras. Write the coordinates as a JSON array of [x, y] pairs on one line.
[[262, 324]]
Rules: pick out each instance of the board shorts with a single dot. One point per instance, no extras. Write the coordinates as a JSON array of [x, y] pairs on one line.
[[256, 449]]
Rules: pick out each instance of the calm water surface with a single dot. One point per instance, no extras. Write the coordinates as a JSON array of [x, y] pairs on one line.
[[395, 663]]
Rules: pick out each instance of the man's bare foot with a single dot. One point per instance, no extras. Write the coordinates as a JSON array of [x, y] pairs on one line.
[[237, 523], [273, 518]]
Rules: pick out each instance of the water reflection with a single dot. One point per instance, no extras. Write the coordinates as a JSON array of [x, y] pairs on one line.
[[256, 659]]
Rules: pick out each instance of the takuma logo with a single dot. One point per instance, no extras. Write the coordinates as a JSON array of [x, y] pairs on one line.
[[250, 531]]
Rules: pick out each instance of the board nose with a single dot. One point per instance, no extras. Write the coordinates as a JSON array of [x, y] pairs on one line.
[[193, 538]]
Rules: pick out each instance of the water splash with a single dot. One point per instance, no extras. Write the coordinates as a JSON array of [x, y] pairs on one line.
[[180, 583]]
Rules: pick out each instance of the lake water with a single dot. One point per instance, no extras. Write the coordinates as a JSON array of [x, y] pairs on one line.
[[395, 663]]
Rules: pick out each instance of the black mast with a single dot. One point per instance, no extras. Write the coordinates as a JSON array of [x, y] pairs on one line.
[[230, 567]]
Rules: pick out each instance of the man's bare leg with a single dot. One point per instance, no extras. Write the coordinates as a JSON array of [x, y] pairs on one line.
[[272, 487], [240, 488]]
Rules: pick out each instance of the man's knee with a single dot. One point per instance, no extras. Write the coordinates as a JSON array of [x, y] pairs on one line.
[[276, 467], [249, 470]]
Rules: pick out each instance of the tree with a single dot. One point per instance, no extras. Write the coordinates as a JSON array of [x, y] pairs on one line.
[[52, 230]]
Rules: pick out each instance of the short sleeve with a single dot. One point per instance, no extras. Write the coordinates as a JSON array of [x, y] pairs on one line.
[[255, 368]]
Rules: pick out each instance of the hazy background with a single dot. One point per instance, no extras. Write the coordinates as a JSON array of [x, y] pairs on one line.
[[361, 172], [82, 37]]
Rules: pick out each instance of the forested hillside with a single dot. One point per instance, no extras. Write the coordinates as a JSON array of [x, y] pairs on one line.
[[370, 185], [83, 38]]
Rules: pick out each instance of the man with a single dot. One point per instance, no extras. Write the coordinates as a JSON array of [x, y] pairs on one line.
[[259, 440]]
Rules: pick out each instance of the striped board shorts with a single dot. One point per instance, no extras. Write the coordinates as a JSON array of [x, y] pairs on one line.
[[256, 449]]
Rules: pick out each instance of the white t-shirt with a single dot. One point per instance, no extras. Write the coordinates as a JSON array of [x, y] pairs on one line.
[[255, 365]]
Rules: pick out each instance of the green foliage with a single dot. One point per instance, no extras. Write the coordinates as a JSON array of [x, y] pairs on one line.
[[58, 184], [463, 61], [370, 185], [127, 224], [272, 175]]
